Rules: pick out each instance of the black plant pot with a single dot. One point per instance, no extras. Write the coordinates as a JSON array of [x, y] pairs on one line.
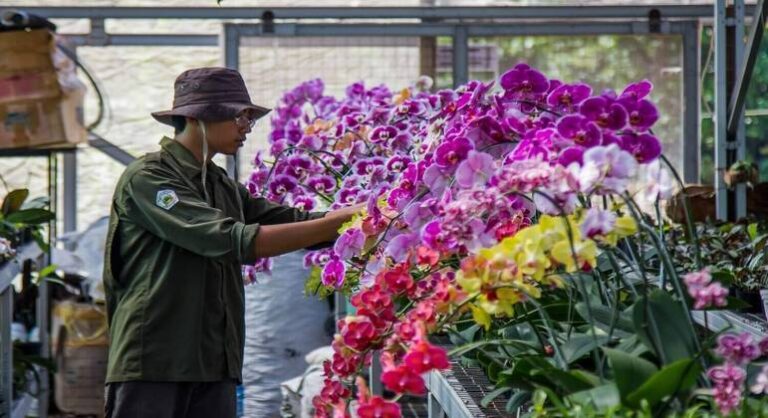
[[751, 298]]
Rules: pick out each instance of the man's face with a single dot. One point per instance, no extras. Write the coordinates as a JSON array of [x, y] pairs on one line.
[[226, 137]]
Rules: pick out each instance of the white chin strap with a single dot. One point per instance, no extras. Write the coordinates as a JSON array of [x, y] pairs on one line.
[[205, 160]]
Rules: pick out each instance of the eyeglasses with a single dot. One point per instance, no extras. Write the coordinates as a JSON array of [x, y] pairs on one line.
[[243, 121]]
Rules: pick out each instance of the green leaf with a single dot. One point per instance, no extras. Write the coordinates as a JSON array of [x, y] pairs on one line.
[[14, 200], [517, 400], [464, 349], [632, 346], [30, 216], [40, 202], [734, 304], [629, 371], [567, 381], [672, 378], [581, 344], [602, 397], [487, 399], [603, 317], [664, 327], [725, 277], [752, 231], [47, 271], [587, 377]]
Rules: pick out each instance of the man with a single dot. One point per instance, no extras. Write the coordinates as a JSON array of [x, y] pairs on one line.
[[179, 231]]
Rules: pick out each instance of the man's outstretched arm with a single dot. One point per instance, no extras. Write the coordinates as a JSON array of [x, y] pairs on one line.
[[272, 240]]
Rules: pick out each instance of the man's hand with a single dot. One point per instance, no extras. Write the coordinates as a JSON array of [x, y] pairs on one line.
[[345, 214], [279, 239]]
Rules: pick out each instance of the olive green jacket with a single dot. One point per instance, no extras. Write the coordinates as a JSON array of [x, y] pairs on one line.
[[172, 270]]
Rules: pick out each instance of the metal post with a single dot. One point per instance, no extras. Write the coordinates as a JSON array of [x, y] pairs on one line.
[[747, 66], [691, 103], [720, 112], [6, 352], [740, 137], [70, 191], [434, 410], [70, 183], [231, 43], [375, 375], [43, 327], [460, 56]]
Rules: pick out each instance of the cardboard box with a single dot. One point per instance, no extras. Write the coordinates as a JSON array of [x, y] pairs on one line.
[[35, 111], [80, 380], [80, 348]]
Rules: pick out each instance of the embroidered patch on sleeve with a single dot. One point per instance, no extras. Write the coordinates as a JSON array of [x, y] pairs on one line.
[[166, 199]]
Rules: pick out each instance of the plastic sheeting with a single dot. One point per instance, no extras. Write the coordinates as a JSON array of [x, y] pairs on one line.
[[282, 326]]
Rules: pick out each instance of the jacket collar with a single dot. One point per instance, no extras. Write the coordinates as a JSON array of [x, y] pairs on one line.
[[184, 158]]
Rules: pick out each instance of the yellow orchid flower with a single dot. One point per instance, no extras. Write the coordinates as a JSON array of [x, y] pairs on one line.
[[584, 252]]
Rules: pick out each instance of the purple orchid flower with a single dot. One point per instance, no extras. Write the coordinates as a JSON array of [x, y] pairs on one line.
[[607, 114], [451, 153], [433, 236], [636, 91], [475, 170], [401, 141], [486, 130], [399, 197], [350, 243], [356, 90], [523, 81], [571, 155], [644, 147], [580, 130], [568, 96], [298, 166], [282, 185], [333, 273], [598, 222], [304, 203], [642, 114], [534, 146], [311, 142], [435, 180], [417, 214], [322, 183], [728, 381], [410, 108], [606, 170], [382, 134], [366, 166], [353, 120], [348, 195], [398, 247], [398, 163]]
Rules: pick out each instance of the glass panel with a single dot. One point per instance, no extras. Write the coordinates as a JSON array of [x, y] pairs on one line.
[[756, 111], [605, 61]]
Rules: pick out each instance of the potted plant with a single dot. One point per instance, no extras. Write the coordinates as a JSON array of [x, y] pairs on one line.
[[736, 253], [505, 219], [22, 221]]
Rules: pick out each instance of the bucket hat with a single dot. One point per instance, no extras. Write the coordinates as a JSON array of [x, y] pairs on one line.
[[210, 94]]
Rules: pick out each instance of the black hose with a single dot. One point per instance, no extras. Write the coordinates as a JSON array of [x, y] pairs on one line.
[[71, 55]]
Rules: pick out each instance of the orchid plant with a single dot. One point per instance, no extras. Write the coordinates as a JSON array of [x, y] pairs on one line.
[[507, 217]]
